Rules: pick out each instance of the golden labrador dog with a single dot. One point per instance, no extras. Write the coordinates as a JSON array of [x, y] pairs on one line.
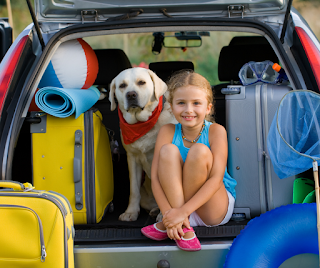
[[142, 111]]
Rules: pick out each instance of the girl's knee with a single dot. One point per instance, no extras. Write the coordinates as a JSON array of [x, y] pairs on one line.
[[199, 151], [169, 151]]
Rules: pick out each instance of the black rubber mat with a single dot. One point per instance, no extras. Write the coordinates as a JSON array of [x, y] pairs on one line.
[[130, 234]]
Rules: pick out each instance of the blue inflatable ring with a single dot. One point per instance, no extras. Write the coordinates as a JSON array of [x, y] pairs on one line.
[[275, 236]]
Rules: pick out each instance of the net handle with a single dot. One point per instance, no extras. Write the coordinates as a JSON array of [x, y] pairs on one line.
[[316, 185]]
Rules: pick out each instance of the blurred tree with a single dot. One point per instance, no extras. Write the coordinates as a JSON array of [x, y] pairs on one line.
[[20, 14], [138, 48]]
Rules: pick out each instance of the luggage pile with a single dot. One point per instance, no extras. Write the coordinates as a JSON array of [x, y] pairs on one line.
[[71, 165]]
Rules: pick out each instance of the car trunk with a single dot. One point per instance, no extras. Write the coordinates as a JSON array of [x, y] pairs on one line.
[[114, 243]]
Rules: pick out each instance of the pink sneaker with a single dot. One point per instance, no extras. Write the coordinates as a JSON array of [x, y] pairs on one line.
[[153, 232], [190, 244]]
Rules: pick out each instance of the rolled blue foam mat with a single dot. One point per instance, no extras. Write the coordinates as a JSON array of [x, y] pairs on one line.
[[63, 102]]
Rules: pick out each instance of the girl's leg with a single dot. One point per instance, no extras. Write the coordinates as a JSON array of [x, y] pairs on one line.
[[170, 176], [196, 171]]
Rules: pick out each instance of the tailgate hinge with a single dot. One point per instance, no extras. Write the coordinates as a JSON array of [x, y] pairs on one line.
[[89, 15], [232, 9]]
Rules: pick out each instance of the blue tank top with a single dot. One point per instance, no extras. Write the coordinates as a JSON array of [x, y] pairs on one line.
[[177, 140]]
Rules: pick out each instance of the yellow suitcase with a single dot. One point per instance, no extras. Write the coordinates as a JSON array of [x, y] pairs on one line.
[[73, 157], [36, 228]]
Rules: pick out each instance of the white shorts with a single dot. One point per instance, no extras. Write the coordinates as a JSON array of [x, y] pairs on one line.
[[195, 219]]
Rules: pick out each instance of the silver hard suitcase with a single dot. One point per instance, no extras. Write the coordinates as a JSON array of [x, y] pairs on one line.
[[249, 114]]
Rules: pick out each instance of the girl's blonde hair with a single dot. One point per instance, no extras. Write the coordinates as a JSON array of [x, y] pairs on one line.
[[189, 77]]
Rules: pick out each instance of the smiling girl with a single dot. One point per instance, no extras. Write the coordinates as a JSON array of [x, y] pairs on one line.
[[189, 178]]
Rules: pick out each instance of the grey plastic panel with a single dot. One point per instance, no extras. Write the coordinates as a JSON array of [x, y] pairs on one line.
[[148, 255], [93, 10], [212, 255], [245, 165]]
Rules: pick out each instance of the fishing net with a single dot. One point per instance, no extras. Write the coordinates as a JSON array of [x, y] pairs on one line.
[[294, 135]]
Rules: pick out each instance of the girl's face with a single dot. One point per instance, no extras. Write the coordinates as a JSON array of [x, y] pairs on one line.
[[190, 105]]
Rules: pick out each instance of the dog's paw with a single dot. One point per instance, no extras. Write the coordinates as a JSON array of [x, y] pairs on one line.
[[129, 216], [154, 212], [159, 217]]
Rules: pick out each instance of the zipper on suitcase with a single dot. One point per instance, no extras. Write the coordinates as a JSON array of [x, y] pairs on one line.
[[271, 97], [62, 206], [267, 166], [89, 167], [43, 253], [259, 134], [41, 194], [62, 196]]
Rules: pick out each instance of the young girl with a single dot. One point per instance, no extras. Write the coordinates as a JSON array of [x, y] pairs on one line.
[[189, 178]]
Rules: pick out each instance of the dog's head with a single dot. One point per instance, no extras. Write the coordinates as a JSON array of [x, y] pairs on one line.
[[135, 89]]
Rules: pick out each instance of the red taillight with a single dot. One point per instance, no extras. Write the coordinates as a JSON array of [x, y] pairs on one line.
[[312, 52], [9, 68]]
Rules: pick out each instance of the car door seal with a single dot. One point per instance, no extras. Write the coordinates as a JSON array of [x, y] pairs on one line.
[[285, 22], [36, 24]]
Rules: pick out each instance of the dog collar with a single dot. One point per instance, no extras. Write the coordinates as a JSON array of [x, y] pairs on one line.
[[131, 132]]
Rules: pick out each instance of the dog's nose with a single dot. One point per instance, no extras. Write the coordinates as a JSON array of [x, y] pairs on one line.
[[131, 95]]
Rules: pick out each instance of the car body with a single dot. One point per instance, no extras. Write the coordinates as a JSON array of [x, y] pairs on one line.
[[122, 245]]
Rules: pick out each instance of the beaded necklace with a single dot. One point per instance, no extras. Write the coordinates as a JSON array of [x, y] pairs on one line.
[[197, 138]]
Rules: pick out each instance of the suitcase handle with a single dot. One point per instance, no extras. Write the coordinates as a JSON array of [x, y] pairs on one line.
[[77, 169], [15, 185]]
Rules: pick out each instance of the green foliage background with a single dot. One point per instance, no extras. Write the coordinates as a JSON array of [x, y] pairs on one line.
[[138, 47]]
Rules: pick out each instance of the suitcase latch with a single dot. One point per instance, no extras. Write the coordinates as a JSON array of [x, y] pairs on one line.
[[38, 122]]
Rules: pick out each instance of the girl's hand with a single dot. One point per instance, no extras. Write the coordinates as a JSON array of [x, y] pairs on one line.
[[186, 223], [173, 217], [175, 232]]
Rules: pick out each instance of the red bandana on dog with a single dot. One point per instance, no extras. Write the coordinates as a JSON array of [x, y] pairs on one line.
[[130, 133]]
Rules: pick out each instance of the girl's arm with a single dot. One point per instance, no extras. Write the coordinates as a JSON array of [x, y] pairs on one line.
[[219, 149], [165, 136]]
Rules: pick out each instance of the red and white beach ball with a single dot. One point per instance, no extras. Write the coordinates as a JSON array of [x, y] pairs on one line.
[[73, 65]]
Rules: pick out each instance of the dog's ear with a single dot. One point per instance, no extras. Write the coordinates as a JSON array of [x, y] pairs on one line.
[[160, 87], [111, 95]]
